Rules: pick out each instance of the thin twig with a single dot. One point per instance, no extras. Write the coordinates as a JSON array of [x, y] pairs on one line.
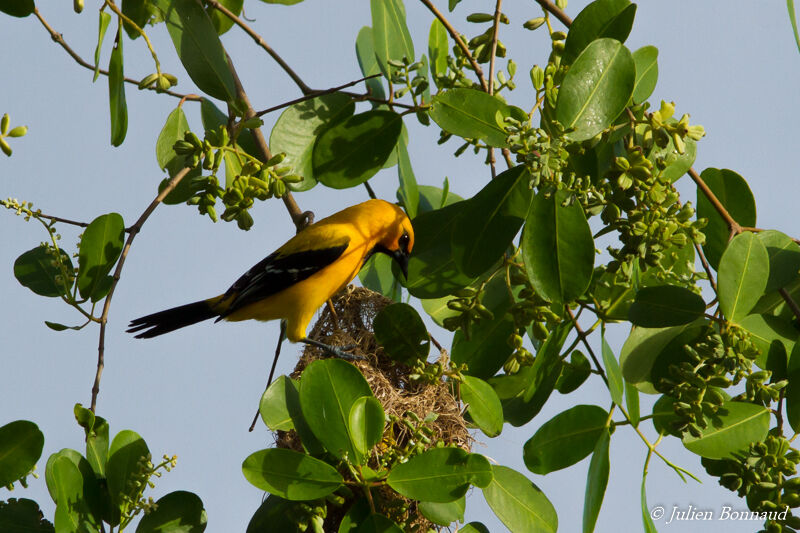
[[459, 41], [314, 94], [588, 346], [58, 38], [790, 302], [708, 193], [137, 226], [263, 44], [554, 10], [492, 57], [706, 267]]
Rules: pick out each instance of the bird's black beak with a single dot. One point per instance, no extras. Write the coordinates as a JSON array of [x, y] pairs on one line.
[[401, 258]]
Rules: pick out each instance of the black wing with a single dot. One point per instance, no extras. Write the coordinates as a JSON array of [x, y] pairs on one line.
[[277, 272]]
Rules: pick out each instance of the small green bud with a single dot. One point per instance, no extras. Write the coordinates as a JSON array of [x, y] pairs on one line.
[[532, 24], [252, 123], [19, 131], [480, 17], [558, 35], [5, 147], [537, 77], [163, 84], [77, 5], [4, 123]]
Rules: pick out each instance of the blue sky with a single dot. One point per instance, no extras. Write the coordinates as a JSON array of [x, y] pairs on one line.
[[733, 66]]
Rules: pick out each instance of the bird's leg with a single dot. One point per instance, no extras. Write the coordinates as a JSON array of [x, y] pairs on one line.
[[333, 350], [281, 338]]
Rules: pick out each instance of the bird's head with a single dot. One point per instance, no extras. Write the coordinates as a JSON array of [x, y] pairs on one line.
[[398, 238]]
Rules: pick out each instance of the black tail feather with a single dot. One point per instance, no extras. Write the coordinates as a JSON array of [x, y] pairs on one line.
[[171, 319]]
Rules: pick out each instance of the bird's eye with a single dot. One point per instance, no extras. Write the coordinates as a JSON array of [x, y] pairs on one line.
[[403, 241]]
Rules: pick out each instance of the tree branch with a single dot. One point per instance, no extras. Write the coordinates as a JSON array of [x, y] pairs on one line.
[[315, 93], [554, 10], [495, 31]]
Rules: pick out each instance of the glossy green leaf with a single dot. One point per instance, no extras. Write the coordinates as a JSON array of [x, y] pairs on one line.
[[378, 523], [122, 469], [73, 513], [357, 513], [472, 114], [596, 482], [601, 18], [573, 374], [176, 512], [174, 129], [565, 439], [596, 88], [483, 405], [733, 192], [440, 475], [437, 309], [613, 373], [100, 248], [438, 49], [273, 407], [664, 417], [675, 164], [23, 515], [353, 150], [784, 258], [665, 305], [735, 426], [366, 423], [491, 220], [432, 198], [199, 47], [311, 444], [21, 445], [520, 504], [116, 94], [102, 26], [328, 390], [222, 22], [55, 326], [298, 127], [274, 514], [408, 192], [743, 274], [557, 248], [138, 11], [17, 8], [401, 332], [97, 438], [647, 521], [390, 34], [770, 334], [35, 270], [365, 53], [473, 527], [377, 275], [432, 272], [632, 403], [291, 475], [646, 61], [444, 514]]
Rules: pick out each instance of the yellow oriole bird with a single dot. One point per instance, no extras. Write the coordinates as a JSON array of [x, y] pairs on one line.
[[296, 279]]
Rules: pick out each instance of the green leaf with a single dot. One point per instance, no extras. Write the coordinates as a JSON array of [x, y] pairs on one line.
[[483, 405], [291, 475], [770, 334], [35, 270], [646, 61], [212, 117], [602, 18], [732, 429], [743, 274], [565, 439], [675, 164], [274, 514], [784, 258], [632, 403], [438, 49], [664, 306], [377, 275], [390, 34], [733, 192], [174, 129], [437, 309], [473, 527], [664, 416], [573, 374], [222, 22], [596, 482], [357, 513], [140, 12], [491, 220], [596, 88], [613, 372], [282, 2], [273, 407], [440, 475], [378, 523], [328, 390], [21, 445], [472, 114], [102, 26], [353, 150], [400, 330], [311, 444], [518, 503], [176, 512], [298, 128], [72, 508], [199, 47], [793, 20], [557, 248], [122, 469], [444, 514], [96, 429], [23, 515], [116, 94], [365, 53], [408, 192], [366, 423], [55, 326], [100, 248], [433, 198], [432, 272], [647, 521], [17, 8]]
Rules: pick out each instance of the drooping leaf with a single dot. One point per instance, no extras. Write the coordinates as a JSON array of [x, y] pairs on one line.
[[353, 150], [646, 60], [365, 53], [483, 405], [596, 482], [177, 512], [565, 439], [298, 128], [601, 18], [291, 475], [21, 445], [100, 248], [366, 423], [138, 11], [390, 34], [632, 403], [743, 274], [596, 88], [444, 514], [518, 503], [665, 305], [613, 372], [440, 475], [649, 526], [471, 114], [116, 94], [35, 270], [557, 248], [401, 332], [735, 195], [273, 407], [102, 26], [735, 426]]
